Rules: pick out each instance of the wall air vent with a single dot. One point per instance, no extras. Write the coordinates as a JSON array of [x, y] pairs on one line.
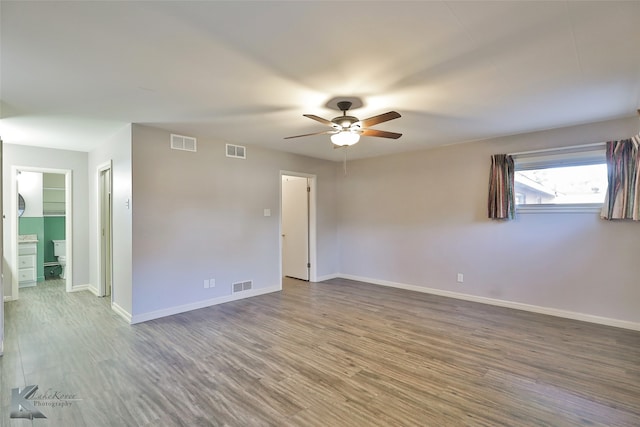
[[242, 286], [236, 151], [184, 143]]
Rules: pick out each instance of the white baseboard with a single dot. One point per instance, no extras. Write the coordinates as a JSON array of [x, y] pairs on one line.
[[144, 317], [120, 311], [625, 324], [327, 277], [115, 307]]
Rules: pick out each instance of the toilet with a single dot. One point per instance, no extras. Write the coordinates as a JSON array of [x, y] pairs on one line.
[[60, 252]]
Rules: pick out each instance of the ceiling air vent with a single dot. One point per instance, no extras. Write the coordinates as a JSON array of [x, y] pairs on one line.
[[236, 151], [184, 143]]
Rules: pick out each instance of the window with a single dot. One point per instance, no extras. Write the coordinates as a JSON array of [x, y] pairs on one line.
[[563, 180]]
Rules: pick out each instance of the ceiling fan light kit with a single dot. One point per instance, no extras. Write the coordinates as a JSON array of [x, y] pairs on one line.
[[345, 138], [346, 130]]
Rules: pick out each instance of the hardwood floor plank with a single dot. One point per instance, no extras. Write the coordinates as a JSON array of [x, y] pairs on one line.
[[337, 353]]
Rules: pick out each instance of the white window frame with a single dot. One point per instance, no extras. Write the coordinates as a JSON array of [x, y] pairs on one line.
[[580, 155]]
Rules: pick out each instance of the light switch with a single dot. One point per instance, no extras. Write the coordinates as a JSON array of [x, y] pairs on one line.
[[267, 212]]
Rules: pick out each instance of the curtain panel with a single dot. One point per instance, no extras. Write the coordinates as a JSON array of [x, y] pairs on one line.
[[501, 193], [622, 200]]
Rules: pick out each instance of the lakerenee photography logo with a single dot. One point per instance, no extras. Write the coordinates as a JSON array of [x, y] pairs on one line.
[[26, 403]]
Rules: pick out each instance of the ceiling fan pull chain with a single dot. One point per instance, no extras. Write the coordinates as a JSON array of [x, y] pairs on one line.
[[345, 161]]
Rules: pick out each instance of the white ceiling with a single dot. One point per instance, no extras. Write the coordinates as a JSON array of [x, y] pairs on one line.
[[73, 73]]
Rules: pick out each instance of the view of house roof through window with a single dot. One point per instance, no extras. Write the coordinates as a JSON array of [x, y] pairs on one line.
[[584, 184]]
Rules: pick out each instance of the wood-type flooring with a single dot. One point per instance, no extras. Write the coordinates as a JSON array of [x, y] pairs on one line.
[[337, 353]]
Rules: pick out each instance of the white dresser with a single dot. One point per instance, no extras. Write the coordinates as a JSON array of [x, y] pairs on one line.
[[27, 260]]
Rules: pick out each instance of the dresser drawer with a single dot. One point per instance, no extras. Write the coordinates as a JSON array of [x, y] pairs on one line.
[[26, 261], [27, 275], [27, 249]]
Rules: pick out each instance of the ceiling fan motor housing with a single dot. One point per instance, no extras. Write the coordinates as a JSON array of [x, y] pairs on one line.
[[344, 122]]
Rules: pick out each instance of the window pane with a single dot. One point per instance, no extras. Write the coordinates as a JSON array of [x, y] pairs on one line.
[[561, 185]]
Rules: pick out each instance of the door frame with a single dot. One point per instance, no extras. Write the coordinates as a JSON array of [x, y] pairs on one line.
[[313, 276], [107, 166], [2, 222], [68, 187]]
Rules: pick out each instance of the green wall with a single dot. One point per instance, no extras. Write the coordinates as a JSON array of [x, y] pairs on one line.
[[53, 230], [47, 228]]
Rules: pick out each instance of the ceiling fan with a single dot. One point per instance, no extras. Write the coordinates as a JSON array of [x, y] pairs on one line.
[[346, 130]]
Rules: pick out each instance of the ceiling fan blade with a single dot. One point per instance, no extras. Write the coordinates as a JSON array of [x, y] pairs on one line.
[[379, 119], [320, 119], [380, 133], [311, 134]]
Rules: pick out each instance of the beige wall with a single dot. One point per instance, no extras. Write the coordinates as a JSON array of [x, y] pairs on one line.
[[200, 215], [420, 218], [116, 150], [415, 218]]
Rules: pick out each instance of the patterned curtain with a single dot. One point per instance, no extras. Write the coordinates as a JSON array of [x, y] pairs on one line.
[[623, 166], [501, 194]]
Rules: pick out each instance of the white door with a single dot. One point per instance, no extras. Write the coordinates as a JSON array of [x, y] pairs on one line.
[[295, 227]]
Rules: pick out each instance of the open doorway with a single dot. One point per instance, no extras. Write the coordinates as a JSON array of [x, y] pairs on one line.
[[105, 236], [41, 224], [298, 226]]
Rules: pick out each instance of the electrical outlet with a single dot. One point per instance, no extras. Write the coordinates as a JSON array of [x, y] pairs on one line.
[[460, 277], [212, 283], [206, 284]]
